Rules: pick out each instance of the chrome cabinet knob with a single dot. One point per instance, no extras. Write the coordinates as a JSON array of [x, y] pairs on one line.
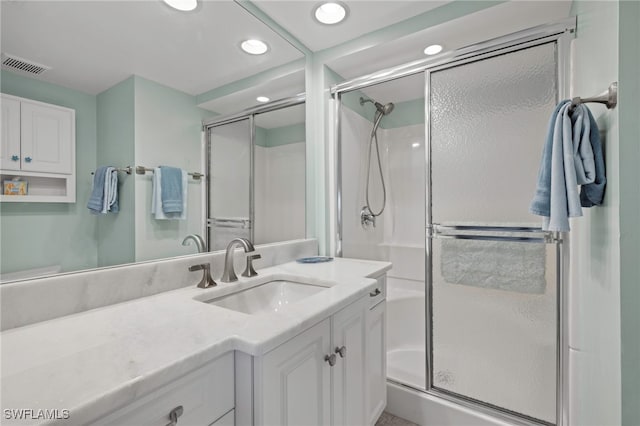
[[342, 351], [28, 159], [174, 414], [331, 359], [375, 292], [15, 158]]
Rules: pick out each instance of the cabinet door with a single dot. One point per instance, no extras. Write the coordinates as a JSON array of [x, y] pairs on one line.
[[376, 375], [10, 137], [348, 332], [48, 136], [293, 381]]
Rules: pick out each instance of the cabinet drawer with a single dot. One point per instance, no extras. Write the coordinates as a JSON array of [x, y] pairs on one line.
[[379, 293], [205, 394]]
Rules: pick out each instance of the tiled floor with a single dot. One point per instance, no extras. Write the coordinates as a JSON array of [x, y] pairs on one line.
[[387, 419]]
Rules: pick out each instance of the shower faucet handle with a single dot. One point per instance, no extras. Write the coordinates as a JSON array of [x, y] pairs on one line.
[[367, 218]]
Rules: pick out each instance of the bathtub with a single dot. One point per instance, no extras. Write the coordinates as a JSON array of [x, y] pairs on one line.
[[406, 363]]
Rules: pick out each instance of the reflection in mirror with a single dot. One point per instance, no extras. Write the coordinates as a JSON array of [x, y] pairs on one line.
[[257, 191], [139, 99]]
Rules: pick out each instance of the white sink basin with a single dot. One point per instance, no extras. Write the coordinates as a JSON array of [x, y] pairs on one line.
[[268, 297]]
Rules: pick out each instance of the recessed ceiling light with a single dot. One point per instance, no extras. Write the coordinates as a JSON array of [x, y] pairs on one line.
[[330, 13], [262, 99], [433, 49], [182, 5], [254, 47]]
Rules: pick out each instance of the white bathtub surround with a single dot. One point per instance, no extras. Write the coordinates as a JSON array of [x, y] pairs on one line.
[[95, 362], [279, 192], [427, 410], [28, 302], [406, 356]]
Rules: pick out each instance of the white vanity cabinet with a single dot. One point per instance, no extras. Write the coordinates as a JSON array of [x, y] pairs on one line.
[[321, 376], [203, 397], [376, 360], [38, 145]]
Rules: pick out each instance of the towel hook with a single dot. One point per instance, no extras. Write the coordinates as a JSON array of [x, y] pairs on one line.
[[609, 98]]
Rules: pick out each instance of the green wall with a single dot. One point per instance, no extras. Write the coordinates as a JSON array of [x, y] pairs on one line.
[[42, 234], [277, 136], [168, 128], [404, 114], [116, 118], [629, 110]]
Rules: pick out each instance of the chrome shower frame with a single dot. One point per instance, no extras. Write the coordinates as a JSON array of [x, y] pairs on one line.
[[561, 32], [247, 114]]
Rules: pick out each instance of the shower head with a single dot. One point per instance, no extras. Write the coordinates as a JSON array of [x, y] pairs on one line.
[[383, 109]]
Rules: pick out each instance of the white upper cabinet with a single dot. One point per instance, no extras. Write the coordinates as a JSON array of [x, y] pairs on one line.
[[10, 148], [38, 146], [46, 138]]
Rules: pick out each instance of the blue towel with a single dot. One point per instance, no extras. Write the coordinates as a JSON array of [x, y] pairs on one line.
[[592, 194], [96, 201], [171, 189], [568, 160]]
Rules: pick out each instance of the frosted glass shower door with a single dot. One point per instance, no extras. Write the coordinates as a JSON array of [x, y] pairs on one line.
[[230, 171], [493, 271]]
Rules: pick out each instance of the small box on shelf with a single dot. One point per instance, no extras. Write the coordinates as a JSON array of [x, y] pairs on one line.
[[16, 186]]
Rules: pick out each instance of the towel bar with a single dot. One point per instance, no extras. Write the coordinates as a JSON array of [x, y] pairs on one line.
[[128, 170], [141, 170]]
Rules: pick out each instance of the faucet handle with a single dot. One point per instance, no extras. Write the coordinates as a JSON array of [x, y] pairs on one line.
[[249, 271], [198, 267], [206, 280]]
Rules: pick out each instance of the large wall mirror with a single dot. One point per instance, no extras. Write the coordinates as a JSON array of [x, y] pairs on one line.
[[142, 78]]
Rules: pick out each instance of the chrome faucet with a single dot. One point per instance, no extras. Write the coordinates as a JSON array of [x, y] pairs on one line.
[[206, 280], [200, 244], [229, 274]]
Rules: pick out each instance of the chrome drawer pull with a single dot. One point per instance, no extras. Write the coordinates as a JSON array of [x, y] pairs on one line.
[[375, 292], [174, 414]]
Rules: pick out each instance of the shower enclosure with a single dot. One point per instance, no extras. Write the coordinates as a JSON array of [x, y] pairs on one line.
[[475, 296], [256, 174]]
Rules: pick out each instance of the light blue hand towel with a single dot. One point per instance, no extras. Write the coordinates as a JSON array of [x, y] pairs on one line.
[[592, 194], [171, 189], [156, 197], [96, 201], [541, 204], [567, 159], [582, 152]]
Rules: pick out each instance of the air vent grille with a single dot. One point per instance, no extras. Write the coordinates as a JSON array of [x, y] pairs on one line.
[[24, 65]]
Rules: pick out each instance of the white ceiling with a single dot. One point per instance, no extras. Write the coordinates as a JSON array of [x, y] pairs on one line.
[[285, 86], [91, 45], [363, 16]]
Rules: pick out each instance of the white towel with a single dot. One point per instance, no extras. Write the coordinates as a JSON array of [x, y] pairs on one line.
[[110, 190], [156, 197]]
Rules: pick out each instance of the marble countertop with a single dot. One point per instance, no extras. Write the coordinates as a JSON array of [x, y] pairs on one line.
[[94, 362]]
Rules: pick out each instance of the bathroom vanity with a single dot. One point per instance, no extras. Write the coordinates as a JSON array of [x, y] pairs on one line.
[[253, 352]]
